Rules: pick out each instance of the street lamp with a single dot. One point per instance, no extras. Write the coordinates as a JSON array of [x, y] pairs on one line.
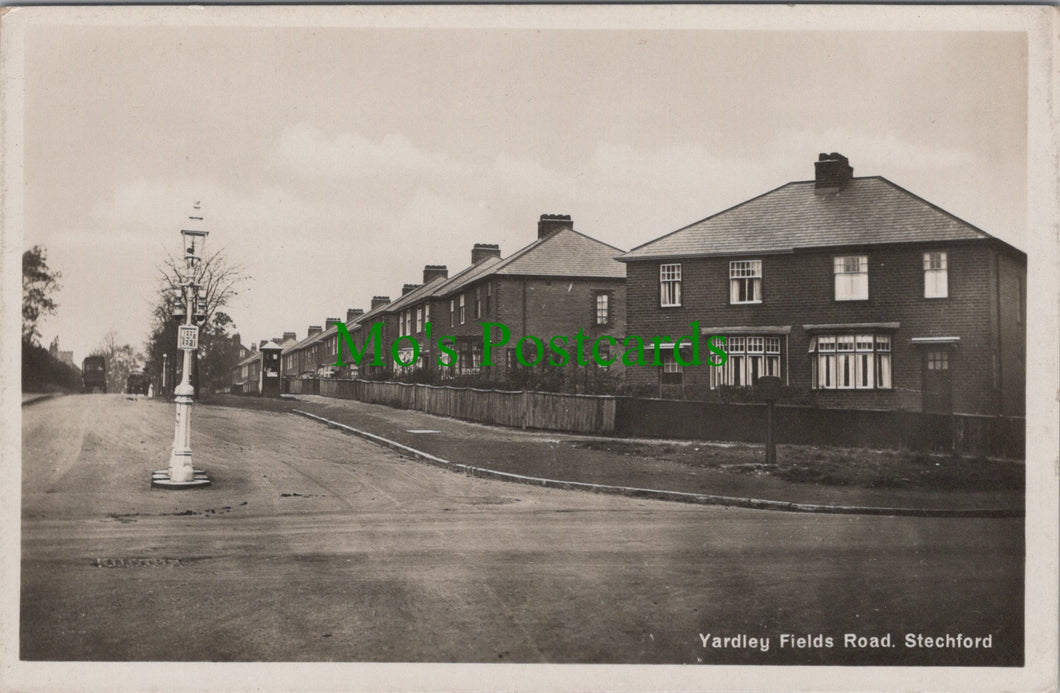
[[181, 473]]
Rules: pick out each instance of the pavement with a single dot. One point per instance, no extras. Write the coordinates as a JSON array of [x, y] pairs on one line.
[[314, 545], [587, 460]]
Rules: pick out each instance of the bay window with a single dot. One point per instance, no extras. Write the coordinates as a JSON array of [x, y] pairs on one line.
[[850, 362]]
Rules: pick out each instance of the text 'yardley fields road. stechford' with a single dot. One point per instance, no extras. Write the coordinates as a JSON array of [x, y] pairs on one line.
[[405, 350], [743, 641]]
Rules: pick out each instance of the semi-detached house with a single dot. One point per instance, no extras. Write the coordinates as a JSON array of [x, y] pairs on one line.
[[853, 290], [561, 283]]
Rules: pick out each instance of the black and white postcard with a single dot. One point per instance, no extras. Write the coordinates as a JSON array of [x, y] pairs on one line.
[[529, 347]]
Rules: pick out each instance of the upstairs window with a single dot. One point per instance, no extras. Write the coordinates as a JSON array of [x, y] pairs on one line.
[[936, 281], [489, 295], [852, 278], [478, 304], [419, 319], [745, 281], [452, 310], [462, 309], [603, 308], [670, 285]]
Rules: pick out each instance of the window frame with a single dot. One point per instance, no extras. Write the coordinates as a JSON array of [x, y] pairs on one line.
[[606, 296], [932, 274], [670, 278], [840, 269], [750, 356], [851, 361], [750, 284]]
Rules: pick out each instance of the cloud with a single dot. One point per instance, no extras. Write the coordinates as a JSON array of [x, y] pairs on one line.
[[306, 151]]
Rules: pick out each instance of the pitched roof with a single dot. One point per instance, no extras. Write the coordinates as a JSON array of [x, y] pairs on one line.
[[564, 253], [466, 276], [422, 291], [290, 346], [868, 211]]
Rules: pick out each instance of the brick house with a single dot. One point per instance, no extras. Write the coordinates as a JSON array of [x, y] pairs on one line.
[[559, 284], [854, 291], [313, 357], [260, 372]]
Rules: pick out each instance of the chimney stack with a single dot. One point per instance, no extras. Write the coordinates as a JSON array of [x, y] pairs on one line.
[[331, 322], [432, 272], [254, 347], [379, 301], [481, 251], [553, 222], [314, 330], [288, 336], [832, 173], [409, 287], [352, 313]]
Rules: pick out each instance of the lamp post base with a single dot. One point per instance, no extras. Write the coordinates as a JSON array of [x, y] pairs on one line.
[[160, 479]]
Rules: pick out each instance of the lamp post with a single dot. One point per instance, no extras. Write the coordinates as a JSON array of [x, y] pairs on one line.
[[181, 474]]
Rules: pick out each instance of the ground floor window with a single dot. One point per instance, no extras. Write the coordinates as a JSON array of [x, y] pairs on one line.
[[469, 359], [850, 362], [750, 358], [670, 372]]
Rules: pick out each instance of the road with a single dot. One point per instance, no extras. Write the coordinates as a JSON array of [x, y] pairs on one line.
[[317, 546]]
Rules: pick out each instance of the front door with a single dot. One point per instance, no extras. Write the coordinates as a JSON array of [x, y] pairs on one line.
[[937, 381]]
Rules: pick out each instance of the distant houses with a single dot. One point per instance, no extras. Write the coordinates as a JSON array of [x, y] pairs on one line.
[[853, 291]]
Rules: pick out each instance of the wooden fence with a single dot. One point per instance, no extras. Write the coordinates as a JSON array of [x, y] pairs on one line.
[[662, 418], [543, 410]]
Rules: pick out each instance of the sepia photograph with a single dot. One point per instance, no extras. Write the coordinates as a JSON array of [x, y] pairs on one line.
[[495, 347]]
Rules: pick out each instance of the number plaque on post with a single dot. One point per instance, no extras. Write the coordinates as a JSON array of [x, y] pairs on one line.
[[188, 338]]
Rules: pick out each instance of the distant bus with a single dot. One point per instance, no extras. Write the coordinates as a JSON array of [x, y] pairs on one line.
[[94, 373], [137, 383]]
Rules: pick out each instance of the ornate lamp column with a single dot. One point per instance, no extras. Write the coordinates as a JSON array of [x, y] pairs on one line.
[[181, 473]]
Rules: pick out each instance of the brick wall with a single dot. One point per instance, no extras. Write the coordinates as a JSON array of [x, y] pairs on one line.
[[798, 289]]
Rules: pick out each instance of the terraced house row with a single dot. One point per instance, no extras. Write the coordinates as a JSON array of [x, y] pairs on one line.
[[854, 291]]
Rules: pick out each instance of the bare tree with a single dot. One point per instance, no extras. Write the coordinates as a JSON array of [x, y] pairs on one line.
[[219, 279]]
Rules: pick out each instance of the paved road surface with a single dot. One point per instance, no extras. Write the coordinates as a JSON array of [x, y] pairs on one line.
[[313, 545]]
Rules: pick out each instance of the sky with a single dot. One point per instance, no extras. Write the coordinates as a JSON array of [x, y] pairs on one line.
[[334, 163]]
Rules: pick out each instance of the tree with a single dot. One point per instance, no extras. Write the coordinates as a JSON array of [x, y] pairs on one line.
[[122, 359], [39, 283], [219, 279]]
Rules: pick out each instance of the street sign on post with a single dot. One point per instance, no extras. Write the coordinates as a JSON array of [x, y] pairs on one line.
[[188, 338], [767, 389]]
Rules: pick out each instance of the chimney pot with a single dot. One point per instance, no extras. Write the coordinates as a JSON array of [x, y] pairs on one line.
[[352, 313], [832, 172], [481, 251], [378, 301], [331, 322], [314, 330], [549, 223], [409, 287], [287, 336]]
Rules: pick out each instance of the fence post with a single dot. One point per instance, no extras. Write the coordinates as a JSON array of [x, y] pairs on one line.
[[526, 407]]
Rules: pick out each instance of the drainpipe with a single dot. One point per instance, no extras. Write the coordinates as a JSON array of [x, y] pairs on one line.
[[1000, 378]]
